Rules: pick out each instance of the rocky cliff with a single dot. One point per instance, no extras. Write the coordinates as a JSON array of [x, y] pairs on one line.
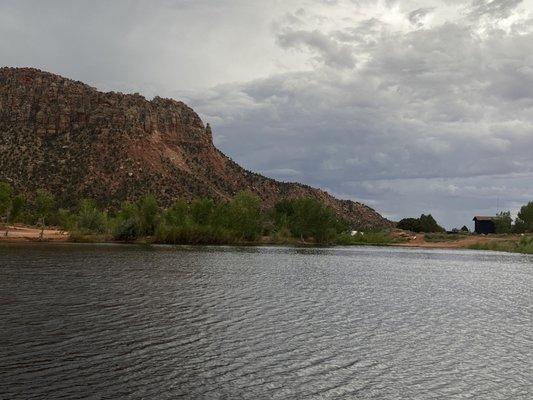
[[66, 136]]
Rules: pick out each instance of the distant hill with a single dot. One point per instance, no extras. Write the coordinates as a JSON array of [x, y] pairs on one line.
[[75, 141]]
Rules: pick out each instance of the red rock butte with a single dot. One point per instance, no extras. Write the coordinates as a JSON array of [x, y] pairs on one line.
[[76, 141]]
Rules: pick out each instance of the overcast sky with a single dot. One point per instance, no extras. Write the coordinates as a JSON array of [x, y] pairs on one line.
[[408, 106]]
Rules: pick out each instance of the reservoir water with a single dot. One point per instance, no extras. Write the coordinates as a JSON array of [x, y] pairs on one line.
[[130, 322]]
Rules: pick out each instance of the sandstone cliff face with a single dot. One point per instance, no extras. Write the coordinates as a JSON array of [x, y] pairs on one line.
[[75, 141]]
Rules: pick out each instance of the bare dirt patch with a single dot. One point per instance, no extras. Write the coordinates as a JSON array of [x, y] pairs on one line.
[[31, 234]]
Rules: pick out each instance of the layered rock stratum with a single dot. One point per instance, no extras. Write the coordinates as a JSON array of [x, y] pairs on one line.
[[76, 141]]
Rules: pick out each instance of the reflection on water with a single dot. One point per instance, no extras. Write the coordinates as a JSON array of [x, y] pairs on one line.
[[155, 323]]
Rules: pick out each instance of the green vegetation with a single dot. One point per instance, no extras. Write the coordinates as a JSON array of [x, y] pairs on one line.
[[426, 223], [525, 218], [89, 218], [6, 202], [503, 223], [306, 219], [241, 220], [43, 208], [522, 224], [369, 238], [524, 245], [202, 221]]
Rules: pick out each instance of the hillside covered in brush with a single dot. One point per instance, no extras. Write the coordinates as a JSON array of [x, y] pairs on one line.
[[76, 141]]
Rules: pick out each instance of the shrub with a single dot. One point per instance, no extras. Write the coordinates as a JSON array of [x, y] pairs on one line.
[[66, 219], [519, 226], [126, 229], [89, 218], [346, 239], [126, 225]]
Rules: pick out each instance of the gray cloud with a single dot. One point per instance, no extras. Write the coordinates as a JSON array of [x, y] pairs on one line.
[[431, 120], [140, 45], [329, 51], [416, 16], [493, 8]]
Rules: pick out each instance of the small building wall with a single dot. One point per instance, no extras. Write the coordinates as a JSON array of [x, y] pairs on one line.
[[484, 226]]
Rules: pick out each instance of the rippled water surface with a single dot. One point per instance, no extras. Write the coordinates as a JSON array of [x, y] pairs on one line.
[[112, 322]]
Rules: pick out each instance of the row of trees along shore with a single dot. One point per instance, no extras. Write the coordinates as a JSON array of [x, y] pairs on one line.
[[503, 223], [202, 221], [523, 223]]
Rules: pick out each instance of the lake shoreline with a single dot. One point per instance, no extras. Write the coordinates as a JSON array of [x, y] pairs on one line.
[[28, 234]]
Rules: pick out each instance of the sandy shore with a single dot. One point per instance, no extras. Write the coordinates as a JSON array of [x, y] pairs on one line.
[[31, 234]]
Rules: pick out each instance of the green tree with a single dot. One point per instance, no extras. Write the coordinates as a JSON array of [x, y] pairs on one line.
[[221, 217], [410, 224], [503, 222], [136, 219], [311, 219], [525, 215], [202, 211], [147, 214], [44, 207], [519, 226], [426, 223], [126, 225], [89, 218], [245, 213], [281, 214], [6, 202], [177, 214], [17, 207]]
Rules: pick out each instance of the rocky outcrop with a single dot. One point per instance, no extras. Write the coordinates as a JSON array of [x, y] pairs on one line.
[[77, 142]]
